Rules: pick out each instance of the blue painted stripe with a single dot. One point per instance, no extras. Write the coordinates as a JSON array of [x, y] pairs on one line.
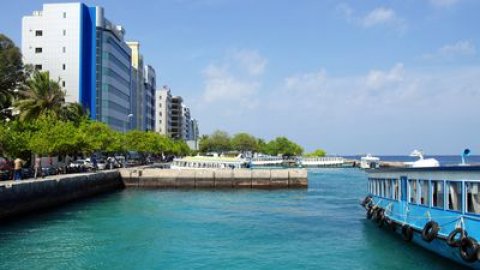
[[88, 59]]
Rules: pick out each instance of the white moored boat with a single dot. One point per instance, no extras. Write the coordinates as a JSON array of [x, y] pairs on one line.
[[369, 162], [261, 161], [322, 162], [207, 162]]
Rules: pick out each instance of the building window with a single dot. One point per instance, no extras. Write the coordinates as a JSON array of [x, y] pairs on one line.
[[38, 67], [64, 15], [64, 66], [64, 32], [38, 33], [63, 83], [64, 49], [38, 50]]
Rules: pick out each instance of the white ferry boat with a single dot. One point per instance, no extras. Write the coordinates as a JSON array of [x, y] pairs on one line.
[[263, 161], [436, 207], [330, 162], [207, 162]]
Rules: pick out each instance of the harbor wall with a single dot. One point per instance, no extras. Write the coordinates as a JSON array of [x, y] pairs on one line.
[[20, 197], [220, 178]]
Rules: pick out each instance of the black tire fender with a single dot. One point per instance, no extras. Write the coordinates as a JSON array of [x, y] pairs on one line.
[[380, 217], [452, 237], [407, 233], [430, 231], [469, 249]]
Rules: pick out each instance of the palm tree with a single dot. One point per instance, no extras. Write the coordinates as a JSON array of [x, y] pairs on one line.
[[73, 112], [41, 95]]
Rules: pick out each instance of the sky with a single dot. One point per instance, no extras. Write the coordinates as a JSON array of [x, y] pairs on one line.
[[351, 77]]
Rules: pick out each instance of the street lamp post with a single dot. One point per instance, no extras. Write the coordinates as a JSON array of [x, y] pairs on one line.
[[129, 117]]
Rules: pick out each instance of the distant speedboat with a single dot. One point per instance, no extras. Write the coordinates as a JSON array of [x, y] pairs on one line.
[[369, 162], [422, 162]]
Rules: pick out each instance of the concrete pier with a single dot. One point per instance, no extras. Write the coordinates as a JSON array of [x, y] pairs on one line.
[[221, 178], [19, 197]]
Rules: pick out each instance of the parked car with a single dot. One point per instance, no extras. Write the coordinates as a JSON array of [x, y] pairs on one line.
[[80, 165], [6, 169], [27, 173], [49, 171], [101, 164]]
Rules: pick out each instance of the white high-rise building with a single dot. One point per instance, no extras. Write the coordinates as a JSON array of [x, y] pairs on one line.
[[163, 114], [87, 53]]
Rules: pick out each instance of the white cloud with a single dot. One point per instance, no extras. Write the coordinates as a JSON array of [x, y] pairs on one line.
[[459, 48], [390, 110], [379, 16], [251, 61], [378, 78], [232, 84], [306, 82], [443, 3], [451, 51], [221, 86]]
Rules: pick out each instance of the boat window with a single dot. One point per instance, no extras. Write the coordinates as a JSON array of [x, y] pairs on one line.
[[396, 189], [424, 198], [437, 193], [412, 190], [455, 196], [473, 197], [377, 187], [388, 187]]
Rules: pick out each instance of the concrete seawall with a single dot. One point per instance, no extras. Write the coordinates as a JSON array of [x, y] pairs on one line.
[[19, 197], [221, 178]]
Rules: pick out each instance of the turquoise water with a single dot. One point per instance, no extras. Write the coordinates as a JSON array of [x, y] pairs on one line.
[[319, 228]]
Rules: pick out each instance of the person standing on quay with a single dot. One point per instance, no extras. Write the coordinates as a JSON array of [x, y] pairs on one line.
[[38, 166], [17, 169]]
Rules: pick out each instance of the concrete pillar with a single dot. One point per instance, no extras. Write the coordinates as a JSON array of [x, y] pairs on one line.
[[261, 178]]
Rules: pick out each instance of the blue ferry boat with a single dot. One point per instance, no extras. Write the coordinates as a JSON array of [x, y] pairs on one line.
[[437, 208]]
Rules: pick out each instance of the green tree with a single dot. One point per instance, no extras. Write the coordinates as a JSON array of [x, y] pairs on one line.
[[97, 136], [316, 153], [40, 96], [218, 142], [73, 112], [14, 138], [244, 142], [283, 146], [204, 144], [11, 73]]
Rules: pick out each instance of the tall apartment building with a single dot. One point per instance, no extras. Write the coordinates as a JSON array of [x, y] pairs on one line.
[[138, 87], [87, 52], [176, 116], [150, 85], [186, 122], [163, 113], [193, 132]]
